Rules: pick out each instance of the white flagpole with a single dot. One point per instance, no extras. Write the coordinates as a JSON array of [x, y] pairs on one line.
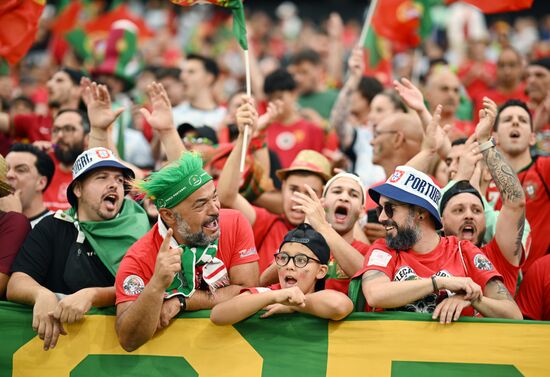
[[248, 93], [367, 23]]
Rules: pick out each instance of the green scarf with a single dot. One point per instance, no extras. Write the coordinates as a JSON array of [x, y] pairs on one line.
[[110, 239], [184, 281]]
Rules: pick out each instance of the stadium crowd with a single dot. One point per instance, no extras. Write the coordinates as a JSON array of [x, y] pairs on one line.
[[417, 183]]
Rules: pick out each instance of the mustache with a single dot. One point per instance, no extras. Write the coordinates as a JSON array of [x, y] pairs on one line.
[[389, 223], [210, 219]]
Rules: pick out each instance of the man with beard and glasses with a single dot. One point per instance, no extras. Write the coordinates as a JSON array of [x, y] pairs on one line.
[[415, 269], [69, 260], [193, 258], [69, 139]]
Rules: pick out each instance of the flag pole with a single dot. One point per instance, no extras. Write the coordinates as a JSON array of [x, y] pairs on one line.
[[247, 127], [367, 23]]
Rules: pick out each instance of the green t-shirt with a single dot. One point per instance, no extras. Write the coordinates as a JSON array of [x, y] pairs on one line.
[[321, 102]]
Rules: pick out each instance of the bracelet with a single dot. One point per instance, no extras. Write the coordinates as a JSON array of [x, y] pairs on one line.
[[434, 284], [486, 145]]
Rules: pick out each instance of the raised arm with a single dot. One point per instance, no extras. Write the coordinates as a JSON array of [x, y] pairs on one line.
[[413, 98], [161, 120], [102, 117], [431, 144], [228, 183], [340, 111], [349, 258], [511, 220]]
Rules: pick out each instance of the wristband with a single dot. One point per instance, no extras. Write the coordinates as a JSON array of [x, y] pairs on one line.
[[434, 284], [183, 303], [488, 144]]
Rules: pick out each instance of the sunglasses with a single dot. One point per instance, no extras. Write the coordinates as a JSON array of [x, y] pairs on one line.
[[300, 260], [388, 209]]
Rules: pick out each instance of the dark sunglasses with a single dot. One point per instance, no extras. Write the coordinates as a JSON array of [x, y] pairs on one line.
[[388, 209], [300, 260]]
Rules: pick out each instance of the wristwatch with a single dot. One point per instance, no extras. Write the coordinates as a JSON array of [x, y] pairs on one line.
[[183, 303]]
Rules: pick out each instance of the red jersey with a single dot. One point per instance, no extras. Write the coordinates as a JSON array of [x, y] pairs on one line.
[[535, 180], [32, 127], [534, 292], [55, 197], [509, 272], [477, 85], [336, 278], [235, 247], [461, 128], [446, 260], [269, 231], [288, 140]]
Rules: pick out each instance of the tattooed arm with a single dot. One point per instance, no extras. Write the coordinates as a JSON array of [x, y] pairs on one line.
[[341, 109], [497, 302], [511, 220]]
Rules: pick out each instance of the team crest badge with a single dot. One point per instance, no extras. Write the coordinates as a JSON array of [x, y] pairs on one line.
[[103, 153], [531, 190], [195, 180], [481, 262], [133, 285], [396, 176]]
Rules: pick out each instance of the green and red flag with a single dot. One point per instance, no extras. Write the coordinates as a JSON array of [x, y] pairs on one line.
[[236, 6], [379, 56], [18, 27], [398, 21]]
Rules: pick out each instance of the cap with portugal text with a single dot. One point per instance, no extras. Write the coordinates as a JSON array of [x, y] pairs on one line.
[[408, 185], [92, 159]]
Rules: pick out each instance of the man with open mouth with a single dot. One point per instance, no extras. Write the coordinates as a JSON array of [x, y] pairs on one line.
[[69, 260], [194, 257]]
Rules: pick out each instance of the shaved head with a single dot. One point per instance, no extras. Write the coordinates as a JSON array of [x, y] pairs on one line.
[[443, 88]]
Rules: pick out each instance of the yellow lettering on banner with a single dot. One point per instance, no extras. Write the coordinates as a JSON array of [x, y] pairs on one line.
[[211, 350], [369, 347]]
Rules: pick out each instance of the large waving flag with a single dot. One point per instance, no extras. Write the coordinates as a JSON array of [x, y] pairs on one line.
[[18, 27], [500, 6], [236, 6]]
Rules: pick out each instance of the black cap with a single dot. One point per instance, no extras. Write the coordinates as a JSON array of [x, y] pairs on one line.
[[74, 74], [543, 62], [204, 132], [460, 187], [309, 237]]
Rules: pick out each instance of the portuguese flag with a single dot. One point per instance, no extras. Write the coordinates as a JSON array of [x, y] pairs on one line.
[[236, 6], [18, 27]]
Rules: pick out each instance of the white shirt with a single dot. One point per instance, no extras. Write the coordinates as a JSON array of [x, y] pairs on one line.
[[185, 113]]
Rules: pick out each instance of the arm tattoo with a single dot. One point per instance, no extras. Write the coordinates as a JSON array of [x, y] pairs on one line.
[[372, 274], [518, 242], [505, 178], [339, 116], [502, 291]]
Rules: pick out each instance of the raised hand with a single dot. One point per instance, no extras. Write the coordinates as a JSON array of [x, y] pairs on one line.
[[311, 205], [468, 160], [246, 114], [160, 117], [410, 94], [450, 309], [168, 262], [487, 117], [98, 102], [356, 63], [433, 137], [274, 110]]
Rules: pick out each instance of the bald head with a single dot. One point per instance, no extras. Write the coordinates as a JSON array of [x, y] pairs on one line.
[[443, 88], [397, 138]]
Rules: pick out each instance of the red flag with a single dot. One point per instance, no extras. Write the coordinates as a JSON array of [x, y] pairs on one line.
[[103, 23], [499, 6], [67, 19], [398, 21], [18, 27]]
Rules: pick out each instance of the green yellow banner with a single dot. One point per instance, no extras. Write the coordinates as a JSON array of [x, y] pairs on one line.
[[365, 344]]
